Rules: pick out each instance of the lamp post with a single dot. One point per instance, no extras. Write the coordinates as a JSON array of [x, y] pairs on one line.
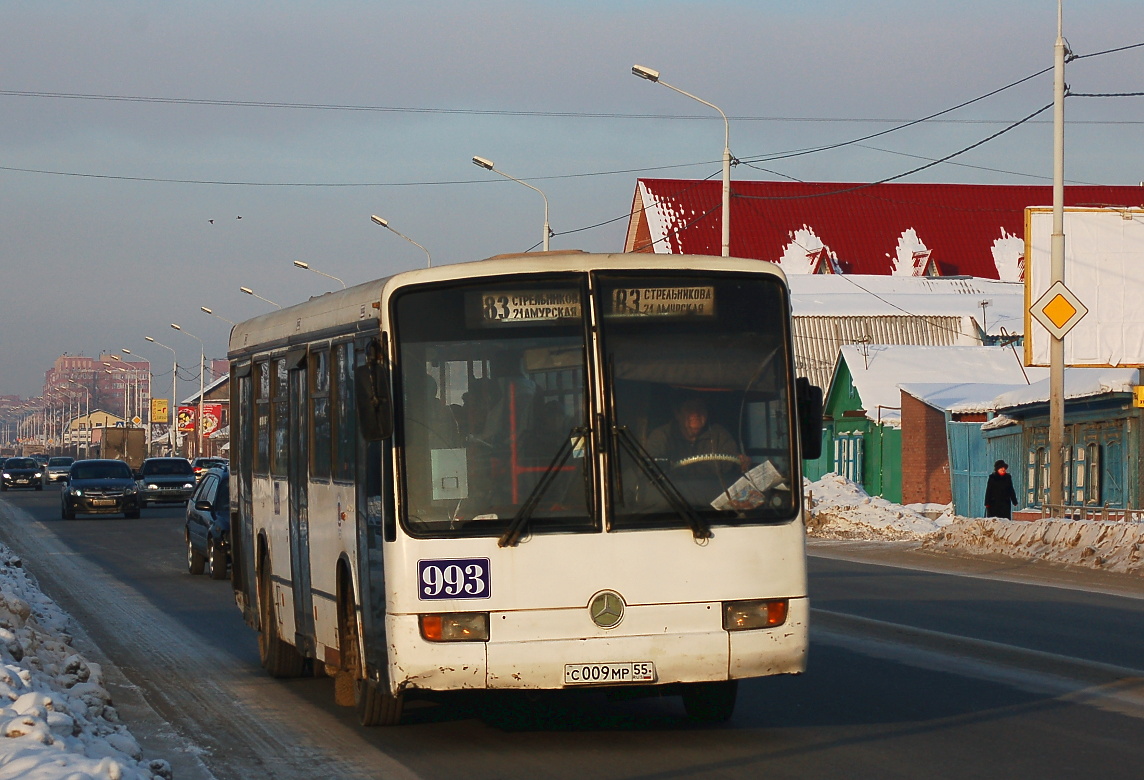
[[385, 224], [653, 76], [488, 165], [172, 410], [202, 372], [86, 416], [142, 399], [249, 291], [205, 310], [306, 267]]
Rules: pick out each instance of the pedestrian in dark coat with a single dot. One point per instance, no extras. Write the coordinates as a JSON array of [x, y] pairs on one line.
[[999, 494]]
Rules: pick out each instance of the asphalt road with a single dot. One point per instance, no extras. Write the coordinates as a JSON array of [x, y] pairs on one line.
[[920, 667]]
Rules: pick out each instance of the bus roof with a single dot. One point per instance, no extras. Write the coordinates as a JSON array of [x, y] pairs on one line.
[[361, 303]]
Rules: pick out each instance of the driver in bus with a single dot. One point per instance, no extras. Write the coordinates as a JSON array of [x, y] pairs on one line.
[[682, 448]]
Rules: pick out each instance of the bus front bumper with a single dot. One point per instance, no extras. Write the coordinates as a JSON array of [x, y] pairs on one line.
[[562, 648]]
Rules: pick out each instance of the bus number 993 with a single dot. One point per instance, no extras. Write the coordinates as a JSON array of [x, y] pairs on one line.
[[457, 578]]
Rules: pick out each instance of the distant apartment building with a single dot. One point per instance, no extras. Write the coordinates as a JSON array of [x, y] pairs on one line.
[[117, 385]]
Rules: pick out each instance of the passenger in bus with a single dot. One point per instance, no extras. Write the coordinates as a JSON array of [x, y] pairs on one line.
[[688, 449]]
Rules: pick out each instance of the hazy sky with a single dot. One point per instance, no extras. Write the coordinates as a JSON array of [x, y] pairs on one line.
[[105, 205]]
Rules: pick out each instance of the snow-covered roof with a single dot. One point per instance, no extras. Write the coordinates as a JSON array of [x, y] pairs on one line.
[[899, 228], [878, 371], [855, 295], [1078, 382], [960, 397]]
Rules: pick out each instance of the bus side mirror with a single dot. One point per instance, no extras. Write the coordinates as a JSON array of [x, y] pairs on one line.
[[374, 403], [808, 399]]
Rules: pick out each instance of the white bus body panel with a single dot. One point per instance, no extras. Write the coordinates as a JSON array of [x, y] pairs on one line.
[[332, 516], [538, 607], [270, 505]]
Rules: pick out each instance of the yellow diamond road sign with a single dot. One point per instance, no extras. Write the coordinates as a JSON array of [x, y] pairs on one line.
[[1058, 310]]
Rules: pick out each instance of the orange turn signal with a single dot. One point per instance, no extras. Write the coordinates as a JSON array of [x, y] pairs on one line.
[[761, 613]]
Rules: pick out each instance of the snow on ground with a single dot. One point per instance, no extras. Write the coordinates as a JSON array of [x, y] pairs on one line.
[[840, 509], [57, 721]]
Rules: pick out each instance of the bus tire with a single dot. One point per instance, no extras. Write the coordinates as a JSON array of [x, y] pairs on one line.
[[278, 658], [376, 706], [710, 702]]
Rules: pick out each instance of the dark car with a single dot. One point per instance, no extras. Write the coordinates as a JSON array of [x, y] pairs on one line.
[[165, 481], [22, 473], [57, 468], [200, 465], [208, 525], [99, 487]]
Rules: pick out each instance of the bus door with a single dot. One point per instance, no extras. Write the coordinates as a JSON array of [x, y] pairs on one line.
[[298, 476], [242, 506], [376, 525]]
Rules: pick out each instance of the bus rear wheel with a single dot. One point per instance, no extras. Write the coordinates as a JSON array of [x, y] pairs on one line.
[[710, 702], [278, 658]]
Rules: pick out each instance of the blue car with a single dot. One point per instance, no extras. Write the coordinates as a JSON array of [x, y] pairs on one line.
[[208, 525]]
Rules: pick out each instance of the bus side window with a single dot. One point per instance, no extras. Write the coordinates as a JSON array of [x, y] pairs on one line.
[[372, 398]]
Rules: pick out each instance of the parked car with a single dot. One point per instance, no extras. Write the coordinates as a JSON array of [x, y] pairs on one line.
[[22, 473], [200, 465], [165, 481], [208, 525], [57, 468], [99, 487]]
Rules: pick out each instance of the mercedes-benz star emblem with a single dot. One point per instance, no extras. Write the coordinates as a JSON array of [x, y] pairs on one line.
[[606, 609]]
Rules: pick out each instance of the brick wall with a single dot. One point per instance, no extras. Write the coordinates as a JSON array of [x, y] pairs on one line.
[[925, 465]]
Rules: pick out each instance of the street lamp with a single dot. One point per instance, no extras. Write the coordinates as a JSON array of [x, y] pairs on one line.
[[249, 291], [211, 312], [172, 409], [488, 165], [385, 224], [306, 267], [653, 76], [202, 373], [142, 399]]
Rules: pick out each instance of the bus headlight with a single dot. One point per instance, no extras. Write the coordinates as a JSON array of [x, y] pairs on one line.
[[759, 613], [455, 627]]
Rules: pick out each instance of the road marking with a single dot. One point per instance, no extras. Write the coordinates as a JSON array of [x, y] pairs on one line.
[[1108, 687]]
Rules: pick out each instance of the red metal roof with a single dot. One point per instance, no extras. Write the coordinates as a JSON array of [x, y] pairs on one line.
[[860, 225]]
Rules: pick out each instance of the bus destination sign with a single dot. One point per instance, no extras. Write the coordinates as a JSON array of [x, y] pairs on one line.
[[529, 306], [663, 302]]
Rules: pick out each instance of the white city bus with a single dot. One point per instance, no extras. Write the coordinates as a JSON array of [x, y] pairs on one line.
[[470, 476]]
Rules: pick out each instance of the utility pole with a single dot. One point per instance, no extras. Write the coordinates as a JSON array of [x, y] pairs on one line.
[[1057, 457]]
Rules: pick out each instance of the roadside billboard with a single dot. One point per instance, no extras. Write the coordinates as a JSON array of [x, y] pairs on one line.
[[1104, 270]]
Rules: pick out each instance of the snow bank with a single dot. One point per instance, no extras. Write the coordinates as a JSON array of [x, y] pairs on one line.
[[840, 509], [57, 721], [1113, 546]]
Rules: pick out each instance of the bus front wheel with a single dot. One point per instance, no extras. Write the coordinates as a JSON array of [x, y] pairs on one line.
[[375, 705], [710, 702]]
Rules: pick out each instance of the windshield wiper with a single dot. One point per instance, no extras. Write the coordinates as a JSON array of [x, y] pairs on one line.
[[651, 470], [519, 522]]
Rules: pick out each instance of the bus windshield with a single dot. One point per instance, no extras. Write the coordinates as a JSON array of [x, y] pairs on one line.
[[493, 404], [491, 408], [697, 369]]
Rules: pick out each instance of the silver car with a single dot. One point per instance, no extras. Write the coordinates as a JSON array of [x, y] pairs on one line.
[[57, 469]]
